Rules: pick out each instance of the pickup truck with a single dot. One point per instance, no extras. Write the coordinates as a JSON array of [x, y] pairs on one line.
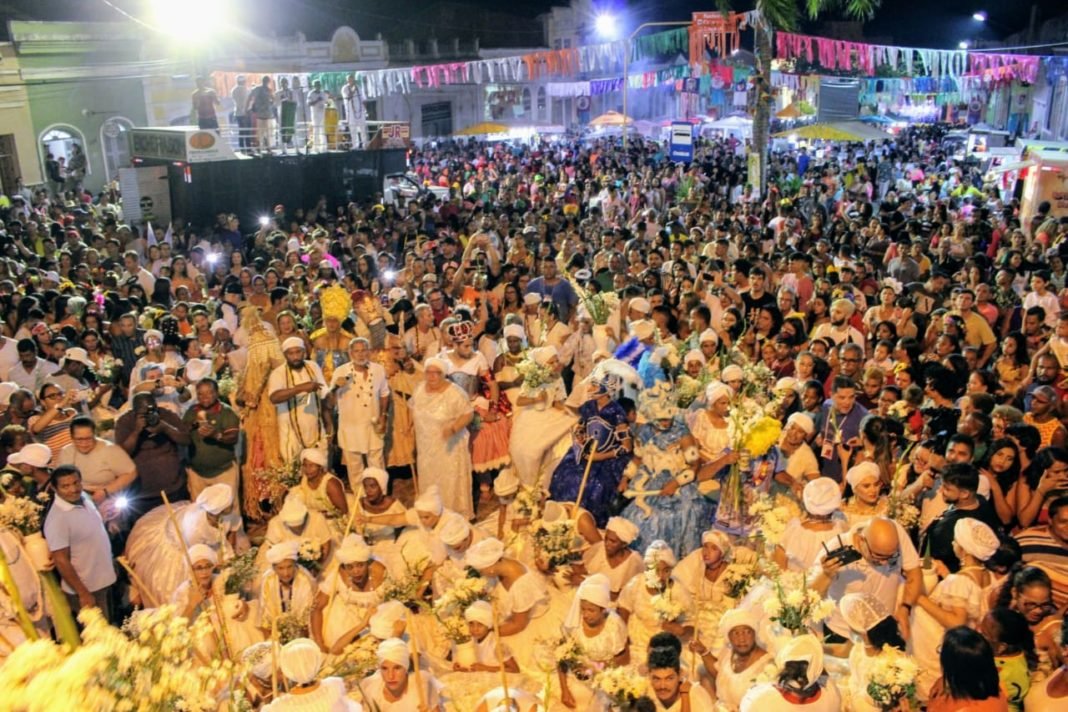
[[404, 187]]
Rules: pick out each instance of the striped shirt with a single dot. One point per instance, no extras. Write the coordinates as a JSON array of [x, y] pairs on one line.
[[1040, 548]]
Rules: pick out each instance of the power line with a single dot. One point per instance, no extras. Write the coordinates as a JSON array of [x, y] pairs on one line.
[[130, 17]]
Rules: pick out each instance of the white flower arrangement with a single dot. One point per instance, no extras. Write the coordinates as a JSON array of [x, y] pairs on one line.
[[108, 370], [892, 678], [557, 543], [460, 595], [623, 686], [795, 606], [356, 661], [528, 503], [308, 555], [21, 514], [771, 518], [898, 507], [665, 607]]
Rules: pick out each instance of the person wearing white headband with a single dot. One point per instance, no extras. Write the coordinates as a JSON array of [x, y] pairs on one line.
[[635, 603], [297, 389], [799, 685], [693, 363], [287, 587], [804, 536], [864, 479], [479, 619], [737, 673], [613, 556], [801, 463], [362, 392], [335, 624], [295, 522], [539, 423], [195, 593], [594, 625], [300, 661], [393, 688]]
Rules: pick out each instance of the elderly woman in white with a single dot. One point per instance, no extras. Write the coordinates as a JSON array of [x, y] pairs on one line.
[[541, 421], [804, 536], [347, 598], [300, 661], [594, 625], [442, 411], [287, 589], [654, 601]]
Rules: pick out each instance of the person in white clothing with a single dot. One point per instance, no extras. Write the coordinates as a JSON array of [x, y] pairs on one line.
[[801, 684], [355, 112], [392, 689], [300, 661], [317, 99], [362, 393], [297, 388]]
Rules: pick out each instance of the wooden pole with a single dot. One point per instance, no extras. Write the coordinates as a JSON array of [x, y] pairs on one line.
[[274, 657], [337, 577], [416, 672], [586, 474], [146, 595], [500, 656]]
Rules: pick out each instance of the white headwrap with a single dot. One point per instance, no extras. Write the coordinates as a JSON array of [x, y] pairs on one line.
[[784, 385], [300, 660], [695, 355], [595, 589], [353, 549], [862, 611], [626, 530], [738, 617], [215, 498], [515, 330], [203, 552], [314, 455], [822, 496], [716, 390], [281, 552], [197, 369], [377, 474], [153, 334], [293, 512], [640, 304], [454, 529], [732, 372], [659, 551], [803, 421], [976, 538], [438, 363], [480, 612], [293, 342], [708, 335], [429, 500], [544, 354], [804, 648], [642, 329], [860, 472], [261, 653], [394, 651], [531, 298], [484, 554], [220, 324], [721, 540], [386, 617], [506, 483]]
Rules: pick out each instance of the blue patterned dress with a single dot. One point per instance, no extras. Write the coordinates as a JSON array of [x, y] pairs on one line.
[[604, 475], [678, 519]]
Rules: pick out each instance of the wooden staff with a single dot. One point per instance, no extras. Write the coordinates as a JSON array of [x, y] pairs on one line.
[[274, 657], [696, 632], [586, 474], [416, 672], [500, 656], [224, 637], [337, 577], [146, 595]]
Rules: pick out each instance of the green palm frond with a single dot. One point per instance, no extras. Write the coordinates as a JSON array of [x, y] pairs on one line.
[[781, 14], [855, 9]]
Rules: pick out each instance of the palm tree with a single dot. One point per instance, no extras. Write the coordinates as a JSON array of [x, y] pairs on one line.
[[784, 15]]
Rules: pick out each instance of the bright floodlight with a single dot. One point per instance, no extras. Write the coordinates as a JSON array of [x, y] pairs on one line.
[[190, 20], [979, 16], [606, 25], [963, 44]]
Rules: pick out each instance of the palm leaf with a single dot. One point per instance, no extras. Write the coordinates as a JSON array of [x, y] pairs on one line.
[[780, 14]]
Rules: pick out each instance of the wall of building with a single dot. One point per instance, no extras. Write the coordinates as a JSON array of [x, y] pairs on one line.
[[15, 117]]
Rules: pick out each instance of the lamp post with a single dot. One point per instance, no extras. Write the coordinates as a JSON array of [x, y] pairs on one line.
[[626, 62]]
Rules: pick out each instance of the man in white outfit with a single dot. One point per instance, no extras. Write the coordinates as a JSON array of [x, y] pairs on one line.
[[362, 392], [317, 99], [355, 112], [297, 388]]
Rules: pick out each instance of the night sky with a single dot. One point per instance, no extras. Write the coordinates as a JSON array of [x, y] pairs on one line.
[[917, 23]]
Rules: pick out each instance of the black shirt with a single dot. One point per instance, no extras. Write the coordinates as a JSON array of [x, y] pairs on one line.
[[940, 534]]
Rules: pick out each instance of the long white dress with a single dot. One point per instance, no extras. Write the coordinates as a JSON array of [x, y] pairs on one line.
[[443, 462], [536, 430], [529, 593], [731, 686], [349, 607], [296, 602], [643, 622], [957, 591]]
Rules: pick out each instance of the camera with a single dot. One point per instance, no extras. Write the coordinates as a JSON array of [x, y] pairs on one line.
[[152, 416], [844, 555]]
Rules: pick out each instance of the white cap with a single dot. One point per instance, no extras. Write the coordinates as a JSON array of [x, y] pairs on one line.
[[640, 304], [293, 342], [314, 455], [293, 512], [33, 454], [300, 660], [353, 549], [218, 324], [215, 498], [77, 354]]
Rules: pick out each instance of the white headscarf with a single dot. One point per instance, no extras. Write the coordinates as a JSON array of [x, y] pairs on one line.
[[480, 612], [822, 496], [378, 475], [293, 512], [803, 421], [716, 390], [439, 363], [804, 648], [454, 529], [544, 354], [595, 589], [626, 530], [386, 617], [215, 498], [293, 342], [300, 660], [429, 500], [281, 552], [394, 650], [203, 552], [738, 617], [506, 483], [976, 538], [353, 549], [659, 551], [862, 611], [314, 455], [484, 554], [515, 330], [860, 472]]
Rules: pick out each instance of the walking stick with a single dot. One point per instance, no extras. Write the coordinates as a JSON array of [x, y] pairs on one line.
[[146, 595], [337, 577], [500, 657], [586, 474], [223, 635], [416, 672]]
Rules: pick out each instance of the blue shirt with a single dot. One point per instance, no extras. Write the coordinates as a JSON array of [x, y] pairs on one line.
[[561, 294], [80, 528], [847, 426]]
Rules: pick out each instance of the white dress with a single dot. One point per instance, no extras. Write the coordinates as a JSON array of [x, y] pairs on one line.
[[731, 686], [596, 562], [240, 634], [955, 590], [531, 594], [601, 649], [643, 622], [348, 608], [857, 699], [711, 440], [803, 545], [329, 696], [441, 462], [29, 587], [535, 431], [765, 697]]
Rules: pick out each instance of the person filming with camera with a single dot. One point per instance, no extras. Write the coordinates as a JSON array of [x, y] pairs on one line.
[[875, 557], [151, 435]]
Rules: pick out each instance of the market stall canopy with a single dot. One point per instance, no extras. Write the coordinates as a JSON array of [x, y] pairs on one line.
[[836, 131], [790, 112], [732, 123], [612, 118], [483, 129]]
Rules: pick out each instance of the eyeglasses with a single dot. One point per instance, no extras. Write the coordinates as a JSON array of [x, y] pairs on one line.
[[46, 396], [1037, 606]]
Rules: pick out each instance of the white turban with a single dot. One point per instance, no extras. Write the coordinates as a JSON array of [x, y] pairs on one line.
[[484, 554], [386, 616], [722, 542], [640, 304], [454, 529], [659, 551], [784, 385], [380, 476], [976, 538], [742, 616], [732, 372], [300, 660], [822, 496], [803, 421], [717, 390], [804, 648], [429, 501], [595, 589], [531, 298], [860, 472], [515, 330], [708, 335], [626, 530], [197, 369], [480, 612], [215, 498], [544, 354], [553, 512], [285, 550], [153, 334], [506, 483], [353, 549], [220, 324], [203, 552], [261, 654], [862, 611], [438, 363], [293, 512], [314, 455], [642, 329], [293, 342], [695, 355], [394, 651]]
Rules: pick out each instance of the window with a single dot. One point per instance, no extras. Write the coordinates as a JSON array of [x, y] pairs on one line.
[[63, 142], [526, 101], [115, 144], [541, 104]]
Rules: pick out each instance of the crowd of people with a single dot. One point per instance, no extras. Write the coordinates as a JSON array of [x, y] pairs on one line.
[[599, 431]]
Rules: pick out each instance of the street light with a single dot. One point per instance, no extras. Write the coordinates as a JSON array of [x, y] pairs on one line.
[[607, 26], [191, 20], [963, 44], [979, 16]]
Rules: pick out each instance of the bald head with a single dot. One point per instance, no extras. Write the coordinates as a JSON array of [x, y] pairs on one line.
[[882, 539]]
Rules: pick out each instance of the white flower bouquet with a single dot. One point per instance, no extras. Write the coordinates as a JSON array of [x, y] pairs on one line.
[[527, 503], [21, 514], [892, 678], [623, 686], [535, 376], [557, 543], [407, 588], [771, 518], [308, 555], [898, 506], [795, 606], [460, 595], [108, 370], [356, 661], [665, 607], [600, 305]]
